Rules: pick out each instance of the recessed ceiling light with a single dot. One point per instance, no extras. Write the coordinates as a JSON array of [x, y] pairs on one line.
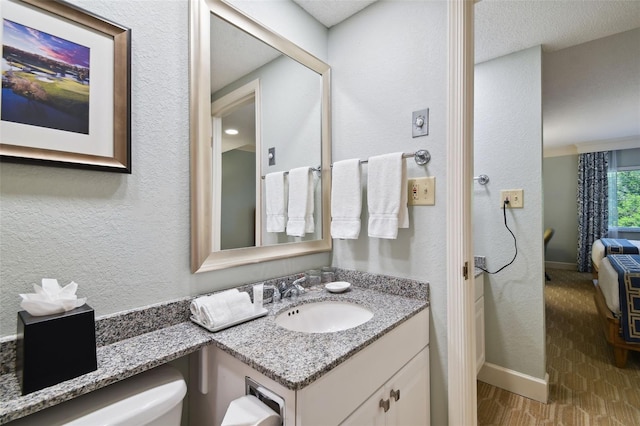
[[231, 131]]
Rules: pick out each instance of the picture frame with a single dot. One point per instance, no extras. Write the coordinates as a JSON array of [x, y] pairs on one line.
[[66, 87]]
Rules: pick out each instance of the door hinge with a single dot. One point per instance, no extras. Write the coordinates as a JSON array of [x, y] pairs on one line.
[[465, 270]]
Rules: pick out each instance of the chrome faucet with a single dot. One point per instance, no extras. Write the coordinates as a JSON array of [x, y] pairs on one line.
[[292, 289], [276, 293]]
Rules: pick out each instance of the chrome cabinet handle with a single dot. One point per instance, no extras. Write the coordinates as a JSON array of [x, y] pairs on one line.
[[395, 394], [384, 403]]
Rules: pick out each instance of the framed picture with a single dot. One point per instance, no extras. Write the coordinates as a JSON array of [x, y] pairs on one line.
[[66, 86]]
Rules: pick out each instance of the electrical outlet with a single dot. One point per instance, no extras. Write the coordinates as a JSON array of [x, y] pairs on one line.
[[422, 191], [515, 197]]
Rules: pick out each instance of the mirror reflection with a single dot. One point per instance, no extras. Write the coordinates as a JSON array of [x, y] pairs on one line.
[[259, 107], [288, 111]]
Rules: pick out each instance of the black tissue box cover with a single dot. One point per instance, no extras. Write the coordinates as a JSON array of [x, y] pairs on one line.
[[54, 348]]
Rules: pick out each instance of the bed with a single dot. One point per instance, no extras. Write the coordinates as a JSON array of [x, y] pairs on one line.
[[619, 275], [599, 251]]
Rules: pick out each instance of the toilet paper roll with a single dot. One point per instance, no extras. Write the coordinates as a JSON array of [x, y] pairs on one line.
[[250, 411]]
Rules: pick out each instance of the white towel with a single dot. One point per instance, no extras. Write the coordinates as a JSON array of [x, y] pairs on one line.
[[346, 199], [385, 189], [224, 308], [276, 202], [240, 305], [403, 213], [301, 202], [197, 303], [215, 313]]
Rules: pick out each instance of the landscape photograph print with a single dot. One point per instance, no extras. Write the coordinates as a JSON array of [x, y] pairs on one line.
[[45, 79]]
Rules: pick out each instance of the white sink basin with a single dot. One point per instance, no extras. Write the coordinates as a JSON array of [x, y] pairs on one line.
[[323, 317]]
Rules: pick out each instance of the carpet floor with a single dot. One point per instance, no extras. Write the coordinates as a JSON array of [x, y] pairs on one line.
[[585, 387]]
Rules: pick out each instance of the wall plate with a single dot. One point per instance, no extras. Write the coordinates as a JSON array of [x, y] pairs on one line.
[[515, 196], [422, 191], [420, 123], [272, 156]]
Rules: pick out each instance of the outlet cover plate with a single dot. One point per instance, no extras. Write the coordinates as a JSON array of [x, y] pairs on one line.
[[515, 197], [422, 191]]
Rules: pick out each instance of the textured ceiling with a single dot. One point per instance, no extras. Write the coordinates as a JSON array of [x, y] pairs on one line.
[[332, 12], [503, 27]]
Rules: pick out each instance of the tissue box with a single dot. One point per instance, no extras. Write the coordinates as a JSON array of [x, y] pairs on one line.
[[54, 348]]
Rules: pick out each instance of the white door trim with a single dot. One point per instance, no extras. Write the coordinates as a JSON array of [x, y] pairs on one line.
[[220, 108], [462, 391]]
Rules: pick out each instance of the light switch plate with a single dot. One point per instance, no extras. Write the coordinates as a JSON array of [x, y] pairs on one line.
[[272, 156], [422, 191], [420, 123]]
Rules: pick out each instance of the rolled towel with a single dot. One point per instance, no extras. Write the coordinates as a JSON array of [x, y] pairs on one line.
[[196, 303], [215, 313], [224, 308], [239, 306]]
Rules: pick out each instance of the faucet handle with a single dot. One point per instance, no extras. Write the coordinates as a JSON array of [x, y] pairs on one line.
[[276, 293]]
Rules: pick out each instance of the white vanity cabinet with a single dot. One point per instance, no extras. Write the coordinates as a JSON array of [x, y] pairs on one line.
[[399, 360], [479, 312], [403, 400]]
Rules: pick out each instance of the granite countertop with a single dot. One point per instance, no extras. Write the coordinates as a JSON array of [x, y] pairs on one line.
[[291, 358], [297, 359]]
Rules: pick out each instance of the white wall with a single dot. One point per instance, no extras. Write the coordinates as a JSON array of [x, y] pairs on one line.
[[387, 61], [508, 148], [591, 91], [560, 177], [125, 238]]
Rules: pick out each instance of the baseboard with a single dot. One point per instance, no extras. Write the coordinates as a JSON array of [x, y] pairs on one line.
[[561, 265], [513, 381]]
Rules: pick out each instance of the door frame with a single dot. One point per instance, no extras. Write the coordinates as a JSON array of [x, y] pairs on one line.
[[462, 388]]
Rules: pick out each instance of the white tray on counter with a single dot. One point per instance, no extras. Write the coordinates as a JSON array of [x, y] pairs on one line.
[[259, 313]]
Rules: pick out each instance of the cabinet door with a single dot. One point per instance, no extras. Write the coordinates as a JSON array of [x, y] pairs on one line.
[[408, 392], [370, 413], [407, 395]]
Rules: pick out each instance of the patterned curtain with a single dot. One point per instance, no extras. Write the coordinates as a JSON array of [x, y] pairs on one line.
[[593, 212], [612, 232]]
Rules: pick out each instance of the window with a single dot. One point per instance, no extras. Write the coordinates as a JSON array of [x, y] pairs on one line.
[[624, 191]]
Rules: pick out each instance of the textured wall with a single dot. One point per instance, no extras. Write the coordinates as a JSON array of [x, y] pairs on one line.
[[592, 84], [508, 148], [387, 61], [125, 238], [560, 178]]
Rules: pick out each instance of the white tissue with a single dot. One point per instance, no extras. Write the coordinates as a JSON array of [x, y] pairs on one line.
[[51, 298]]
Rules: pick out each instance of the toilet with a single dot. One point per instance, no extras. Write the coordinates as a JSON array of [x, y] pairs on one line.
[[151, 398]]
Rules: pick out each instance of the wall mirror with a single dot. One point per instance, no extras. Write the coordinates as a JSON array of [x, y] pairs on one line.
[[252, 92]]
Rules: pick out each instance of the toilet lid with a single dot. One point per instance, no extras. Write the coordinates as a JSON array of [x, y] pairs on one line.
[[250, 411]]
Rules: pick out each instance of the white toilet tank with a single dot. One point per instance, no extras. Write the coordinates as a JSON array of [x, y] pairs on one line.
[[151, 398]]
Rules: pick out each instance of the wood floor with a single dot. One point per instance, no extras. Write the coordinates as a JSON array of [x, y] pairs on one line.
[[585, 388]]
